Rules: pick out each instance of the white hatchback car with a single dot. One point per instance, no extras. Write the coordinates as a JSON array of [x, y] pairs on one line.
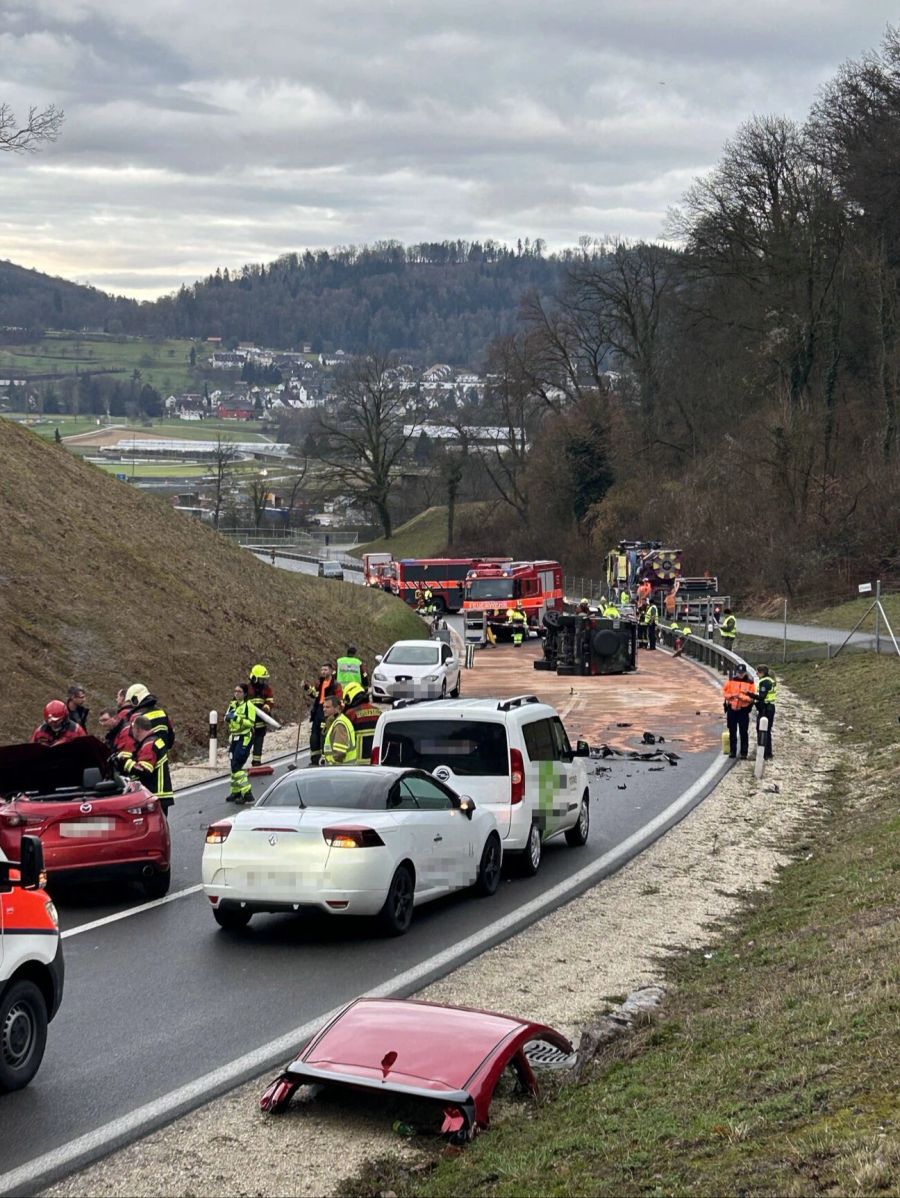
[[416, 670], [512, 756]]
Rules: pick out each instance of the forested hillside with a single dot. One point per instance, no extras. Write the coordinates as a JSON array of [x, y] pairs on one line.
[[444, 301]]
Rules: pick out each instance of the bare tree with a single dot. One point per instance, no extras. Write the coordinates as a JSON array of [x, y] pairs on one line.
[[41, 125], [514, 405], [258, 494], [224, 456], [363, 434], [298, 478]]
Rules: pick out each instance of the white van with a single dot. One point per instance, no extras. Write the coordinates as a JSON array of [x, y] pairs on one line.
[[510, 755]]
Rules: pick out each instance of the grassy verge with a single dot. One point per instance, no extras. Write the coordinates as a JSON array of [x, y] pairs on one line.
[[845, 615], [423, 536], [774, 1067]]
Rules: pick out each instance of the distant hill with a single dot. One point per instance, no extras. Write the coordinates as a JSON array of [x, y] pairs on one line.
[[443, 301], [106, 585]]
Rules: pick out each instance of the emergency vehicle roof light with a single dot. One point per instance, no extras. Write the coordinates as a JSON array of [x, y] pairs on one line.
[[516, 701]]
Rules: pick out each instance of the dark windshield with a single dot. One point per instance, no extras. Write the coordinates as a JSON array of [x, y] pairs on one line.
[[468, 747], [360, 791], [412, 655], [492, 588]]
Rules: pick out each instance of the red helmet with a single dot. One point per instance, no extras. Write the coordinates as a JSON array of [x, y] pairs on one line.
[[55, 710]]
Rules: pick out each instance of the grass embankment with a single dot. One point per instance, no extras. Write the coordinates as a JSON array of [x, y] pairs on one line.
[[845, 615], [106, 585], [424, 535], [774, 1067]]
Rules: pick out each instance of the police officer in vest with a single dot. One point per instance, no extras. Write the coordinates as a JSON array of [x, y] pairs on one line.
[[766, 699], [351, 669], [650, 620], [728, 630], [339, 744]]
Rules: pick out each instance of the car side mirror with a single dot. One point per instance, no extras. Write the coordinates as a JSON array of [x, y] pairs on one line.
[[378, 657], [582, 748], [31, 862], [466, 806]]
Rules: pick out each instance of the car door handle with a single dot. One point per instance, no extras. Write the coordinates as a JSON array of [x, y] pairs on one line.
[[438, 837]]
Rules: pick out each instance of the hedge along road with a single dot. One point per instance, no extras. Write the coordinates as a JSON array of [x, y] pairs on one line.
[[163, 1010]]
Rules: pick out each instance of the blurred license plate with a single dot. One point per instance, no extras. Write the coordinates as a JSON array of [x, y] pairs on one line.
[[87, 827]]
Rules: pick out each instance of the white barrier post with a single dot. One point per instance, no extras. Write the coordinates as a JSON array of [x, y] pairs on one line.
[[213, 738], [470, 656], [760, 766]]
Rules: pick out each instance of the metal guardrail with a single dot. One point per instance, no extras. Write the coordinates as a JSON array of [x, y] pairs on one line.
[[342, 539], [332, 555], [708, 652]]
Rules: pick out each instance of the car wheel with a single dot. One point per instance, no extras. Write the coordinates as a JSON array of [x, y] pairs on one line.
[[23, 1034], [157, 885], [530, 860], [577, 836], [455, 693], [396, 915], [489, 868], [232, 919], [444, 689]]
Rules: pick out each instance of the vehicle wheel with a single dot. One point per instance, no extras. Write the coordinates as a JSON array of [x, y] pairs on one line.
[[444, 689], [157, 886], [455, 693], [530, 860], [489, 868], [396, 915], [232, 919], [23, 1034], [577, 836]]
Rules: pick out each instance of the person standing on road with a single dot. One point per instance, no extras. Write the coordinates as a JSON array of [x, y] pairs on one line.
[[263, 699], [326, 685], [149, 762], [766, 699], [739, 694], [363, 715], [58, 728], [681, 638], [240, 720], [351, 669], [75, 703], [518, 622], [339, 744], [728, 630], [650, 620]]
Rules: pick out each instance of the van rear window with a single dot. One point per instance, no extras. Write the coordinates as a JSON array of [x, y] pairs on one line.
[[469, 747]]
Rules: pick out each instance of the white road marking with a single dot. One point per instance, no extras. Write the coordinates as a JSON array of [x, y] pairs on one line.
[[99, 923], [117, 1132]]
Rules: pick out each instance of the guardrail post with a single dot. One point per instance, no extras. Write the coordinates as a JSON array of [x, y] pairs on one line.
[[759, 767], [470, 656], [213, 738]]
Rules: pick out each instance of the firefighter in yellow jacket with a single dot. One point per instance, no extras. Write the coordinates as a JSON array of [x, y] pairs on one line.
[[241, 720]]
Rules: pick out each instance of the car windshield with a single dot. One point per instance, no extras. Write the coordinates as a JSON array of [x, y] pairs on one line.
[[492, 588], [468, 747], [330, 568], [412, 655], [360, 791]]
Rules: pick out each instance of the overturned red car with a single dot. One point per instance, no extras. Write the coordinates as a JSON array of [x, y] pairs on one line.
[[449, 1056], [88, 818]]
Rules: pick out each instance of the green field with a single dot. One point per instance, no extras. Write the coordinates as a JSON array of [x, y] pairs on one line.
[[184, 430], [165, 365], [424, 535]]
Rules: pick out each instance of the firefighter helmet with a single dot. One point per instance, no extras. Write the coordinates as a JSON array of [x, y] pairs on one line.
[[259, 672], [351, 690], [55, 710], [136, 693]]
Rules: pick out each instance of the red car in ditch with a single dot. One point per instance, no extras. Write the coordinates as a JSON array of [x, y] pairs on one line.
[[89, 819], [451, 1057]]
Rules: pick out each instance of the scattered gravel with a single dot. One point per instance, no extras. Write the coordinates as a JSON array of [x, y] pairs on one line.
[[561, 971]]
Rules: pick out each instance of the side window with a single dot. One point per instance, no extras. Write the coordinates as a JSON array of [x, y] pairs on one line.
[[446, 653], [563, 750], [539, 742], [401, 799], [427, 795]]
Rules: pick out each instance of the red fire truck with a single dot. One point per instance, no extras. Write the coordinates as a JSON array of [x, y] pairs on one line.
[[495, 587], [445, 576]]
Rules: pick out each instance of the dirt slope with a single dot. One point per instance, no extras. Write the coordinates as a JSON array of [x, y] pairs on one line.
[[105, 585]]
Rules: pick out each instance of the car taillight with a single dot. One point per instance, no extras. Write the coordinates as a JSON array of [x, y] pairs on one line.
[[352, 838], [12, 819], [217, 833], [516, 776], [144, 809], [376, 755]]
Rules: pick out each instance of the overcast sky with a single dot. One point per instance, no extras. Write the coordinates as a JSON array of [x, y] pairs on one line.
[[217, 132]]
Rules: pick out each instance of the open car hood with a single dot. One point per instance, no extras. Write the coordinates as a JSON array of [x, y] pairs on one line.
[[453, 1056], [45, 768]]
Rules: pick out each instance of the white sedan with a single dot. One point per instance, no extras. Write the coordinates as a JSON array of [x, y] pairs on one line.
[[416, 670], [353, 840]]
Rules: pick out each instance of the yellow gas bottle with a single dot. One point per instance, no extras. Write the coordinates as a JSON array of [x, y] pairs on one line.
[[726, 742]]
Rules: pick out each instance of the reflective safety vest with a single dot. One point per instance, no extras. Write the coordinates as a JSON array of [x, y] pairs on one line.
[[739, 693], [768, 691], [624, 597], [513, 615], [241, 720], [651, 615], [611, 612], [729, 628], [363, 718], [349, 669], [150, 764], [340, 746]]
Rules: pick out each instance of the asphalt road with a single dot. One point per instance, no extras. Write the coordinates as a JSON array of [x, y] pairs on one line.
[[814, 633], [161, 997]]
